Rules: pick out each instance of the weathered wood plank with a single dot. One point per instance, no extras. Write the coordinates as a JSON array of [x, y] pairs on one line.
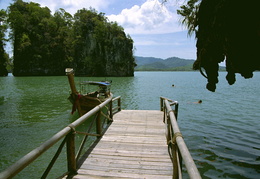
[[92, 174], [134, 146], [130, 161], [164, 160]]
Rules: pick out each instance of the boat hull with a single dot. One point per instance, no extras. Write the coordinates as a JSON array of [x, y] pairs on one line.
[[84, 103]]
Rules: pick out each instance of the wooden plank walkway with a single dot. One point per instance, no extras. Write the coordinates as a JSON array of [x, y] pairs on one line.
[[134, 146]]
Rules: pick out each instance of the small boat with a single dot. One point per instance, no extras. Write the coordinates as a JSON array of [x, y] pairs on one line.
[[85, 102]]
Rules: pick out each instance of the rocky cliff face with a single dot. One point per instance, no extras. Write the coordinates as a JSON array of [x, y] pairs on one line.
[[120, 61], [111, 55]]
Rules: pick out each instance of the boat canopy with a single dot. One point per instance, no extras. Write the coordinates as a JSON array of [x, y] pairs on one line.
[[99, 83]]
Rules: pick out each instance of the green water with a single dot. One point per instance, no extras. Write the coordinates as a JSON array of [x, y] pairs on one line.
[[222, 133]]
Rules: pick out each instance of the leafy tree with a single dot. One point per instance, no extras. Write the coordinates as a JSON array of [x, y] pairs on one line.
[[83, 43], [28, 36], [60, 42], [189, 14], [46, 44], [42, 42], [3, 55]]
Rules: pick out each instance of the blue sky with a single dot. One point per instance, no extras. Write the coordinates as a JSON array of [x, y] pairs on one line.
[[155, 28]]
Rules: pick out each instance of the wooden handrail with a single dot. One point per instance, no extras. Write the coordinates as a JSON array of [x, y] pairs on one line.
[[118, 106], [176, 142], [69, 133]]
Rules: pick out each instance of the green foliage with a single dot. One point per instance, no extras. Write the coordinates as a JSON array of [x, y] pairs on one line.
[[189, 14], [3, 56], [28, 22], [45, 44]]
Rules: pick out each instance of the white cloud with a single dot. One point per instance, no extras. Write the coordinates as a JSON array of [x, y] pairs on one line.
[[72, 6], [150, 18]]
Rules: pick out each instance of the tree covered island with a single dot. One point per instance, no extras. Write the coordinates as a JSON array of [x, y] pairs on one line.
[[46, 44]]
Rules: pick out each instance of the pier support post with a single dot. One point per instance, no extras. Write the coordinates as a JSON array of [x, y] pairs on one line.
[[119, 104], [71, 157], [99, 124], [111, 110]]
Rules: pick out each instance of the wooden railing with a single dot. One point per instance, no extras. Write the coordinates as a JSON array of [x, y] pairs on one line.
[[68, 136], [177, 148], [117, 108]]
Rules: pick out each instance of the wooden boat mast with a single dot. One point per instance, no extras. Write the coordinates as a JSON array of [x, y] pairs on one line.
[[70, 74]]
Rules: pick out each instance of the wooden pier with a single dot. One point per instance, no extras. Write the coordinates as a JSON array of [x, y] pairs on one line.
[[134, 146], [137, 144]]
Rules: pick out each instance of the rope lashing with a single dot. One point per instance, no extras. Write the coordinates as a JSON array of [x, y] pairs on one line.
[[173, 140], [72, 127], [171, 143], [177, 134]]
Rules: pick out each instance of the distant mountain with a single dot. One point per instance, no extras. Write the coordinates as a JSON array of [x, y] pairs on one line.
[[158, 64], [146, 60]]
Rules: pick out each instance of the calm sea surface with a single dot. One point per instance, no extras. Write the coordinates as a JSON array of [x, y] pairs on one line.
[[222, 133]]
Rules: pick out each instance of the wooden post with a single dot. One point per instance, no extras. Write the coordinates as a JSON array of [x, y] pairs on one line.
[[99, 123], [176, 110], [175, 162], [111, 110], [168, 130], [161, 103], [179, 159], [71, 157], [164, 111], [119, 104], [70, 74]]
